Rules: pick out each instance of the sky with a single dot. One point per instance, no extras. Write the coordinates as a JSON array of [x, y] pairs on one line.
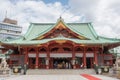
[[103, 14]]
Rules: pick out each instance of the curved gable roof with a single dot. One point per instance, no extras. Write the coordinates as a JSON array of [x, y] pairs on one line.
[[83, 29], [38, 29]]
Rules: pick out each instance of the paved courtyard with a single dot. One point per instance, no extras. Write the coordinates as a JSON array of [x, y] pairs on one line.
[[59, 74], [57, 77]]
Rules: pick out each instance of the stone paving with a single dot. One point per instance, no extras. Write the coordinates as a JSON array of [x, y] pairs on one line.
[[59, 71], [57, 75], [54, 77]]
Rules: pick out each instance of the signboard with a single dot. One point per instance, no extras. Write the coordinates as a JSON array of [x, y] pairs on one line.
[[61, 55], [89, 54], [42, 55], [79, 54], [32, 55]]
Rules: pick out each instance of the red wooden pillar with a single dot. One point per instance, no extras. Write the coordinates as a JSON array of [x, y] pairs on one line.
[[111, 61], [10, 62], [95, 56], [37, 58], [102, 55], [73, 58], [26, 55], [48, 58], [84, 57]]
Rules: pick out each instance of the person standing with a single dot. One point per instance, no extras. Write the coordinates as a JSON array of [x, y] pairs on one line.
[[66, 65], [69, 65], [25, 69]]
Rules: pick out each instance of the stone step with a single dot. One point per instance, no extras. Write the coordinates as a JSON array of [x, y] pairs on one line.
[[59, 71]]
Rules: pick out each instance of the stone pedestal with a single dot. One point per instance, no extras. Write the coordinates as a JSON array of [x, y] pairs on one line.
[[47, 66], [36, 67], [118, 73]]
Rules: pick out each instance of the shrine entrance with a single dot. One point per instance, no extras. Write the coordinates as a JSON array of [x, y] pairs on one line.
[[32, 62], [89, 62], [62, 63], [42, 63]]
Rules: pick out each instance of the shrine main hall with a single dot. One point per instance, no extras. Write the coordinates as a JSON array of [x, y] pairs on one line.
[[60, 45]]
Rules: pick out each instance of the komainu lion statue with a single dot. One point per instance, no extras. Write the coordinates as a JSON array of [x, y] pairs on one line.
[[118, 62], [3, 63]]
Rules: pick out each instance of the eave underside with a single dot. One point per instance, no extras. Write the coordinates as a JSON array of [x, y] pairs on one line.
[[109, 44]]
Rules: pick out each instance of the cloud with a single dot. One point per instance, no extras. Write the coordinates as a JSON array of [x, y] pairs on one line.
[[104, 14], [26, 11]]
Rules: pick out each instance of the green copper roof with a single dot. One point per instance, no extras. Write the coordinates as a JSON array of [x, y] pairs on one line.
[[37, 29], [83, 29]]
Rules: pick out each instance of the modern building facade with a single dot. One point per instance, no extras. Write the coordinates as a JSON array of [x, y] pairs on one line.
[[9, 29], [61, 45]]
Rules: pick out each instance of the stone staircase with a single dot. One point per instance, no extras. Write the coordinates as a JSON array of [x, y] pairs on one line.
[[59, 71]]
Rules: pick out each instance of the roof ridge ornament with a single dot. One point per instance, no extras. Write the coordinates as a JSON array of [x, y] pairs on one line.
[[60, 19]]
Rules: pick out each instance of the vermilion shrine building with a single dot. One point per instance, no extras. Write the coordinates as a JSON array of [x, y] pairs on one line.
[[61, 45]]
